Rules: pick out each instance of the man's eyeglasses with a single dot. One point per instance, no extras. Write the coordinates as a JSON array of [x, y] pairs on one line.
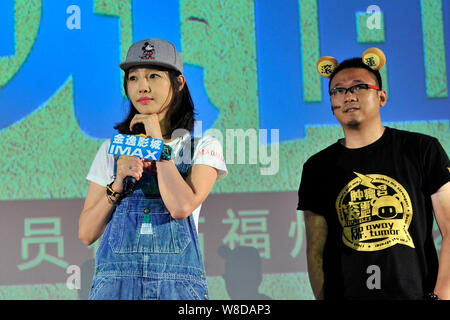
[[340, 92]]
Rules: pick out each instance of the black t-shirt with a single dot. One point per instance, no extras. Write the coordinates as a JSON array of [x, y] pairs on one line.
[[377, 204]]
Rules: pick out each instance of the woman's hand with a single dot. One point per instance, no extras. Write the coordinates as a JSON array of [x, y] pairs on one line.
[[128, 166], [151, 124]]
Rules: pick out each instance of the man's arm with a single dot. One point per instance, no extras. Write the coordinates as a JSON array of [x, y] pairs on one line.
[[441, 207], [316, 235]]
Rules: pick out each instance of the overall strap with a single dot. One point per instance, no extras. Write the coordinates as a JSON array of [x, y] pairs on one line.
[[193, 141]]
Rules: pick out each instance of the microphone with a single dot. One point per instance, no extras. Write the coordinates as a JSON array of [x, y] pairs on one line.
[[138, 146], [129, 184]]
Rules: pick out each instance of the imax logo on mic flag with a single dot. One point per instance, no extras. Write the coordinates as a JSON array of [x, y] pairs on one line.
[[136, 146]]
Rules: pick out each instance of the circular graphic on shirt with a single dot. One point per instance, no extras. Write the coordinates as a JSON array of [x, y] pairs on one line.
[[375, 212]]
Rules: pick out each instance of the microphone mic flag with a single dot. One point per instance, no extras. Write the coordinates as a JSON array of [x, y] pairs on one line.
[[128, 184], [138, 146]]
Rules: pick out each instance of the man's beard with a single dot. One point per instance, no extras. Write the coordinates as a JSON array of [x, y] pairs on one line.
[[353, 124]]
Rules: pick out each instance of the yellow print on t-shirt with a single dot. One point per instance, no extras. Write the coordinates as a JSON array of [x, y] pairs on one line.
[[375, 212]]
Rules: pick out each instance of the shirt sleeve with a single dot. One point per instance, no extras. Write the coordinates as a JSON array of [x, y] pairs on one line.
[[102, 168], [208, 151], [308, 191], [436, 167]]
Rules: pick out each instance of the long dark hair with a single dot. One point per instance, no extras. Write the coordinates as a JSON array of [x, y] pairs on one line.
[[180, 114]]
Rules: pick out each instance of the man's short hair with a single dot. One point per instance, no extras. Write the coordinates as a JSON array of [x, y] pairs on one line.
[[356, 63]]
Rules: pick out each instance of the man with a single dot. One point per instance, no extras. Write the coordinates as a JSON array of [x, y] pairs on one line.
[[368, 201]]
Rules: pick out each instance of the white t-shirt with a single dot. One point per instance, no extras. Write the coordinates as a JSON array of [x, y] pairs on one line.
[[208, 151]]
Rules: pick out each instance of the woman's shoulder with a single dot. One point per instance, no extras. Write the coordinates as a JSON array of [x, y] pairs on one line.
[[196, 142], [207, 141], [104, 147], [105, 144]]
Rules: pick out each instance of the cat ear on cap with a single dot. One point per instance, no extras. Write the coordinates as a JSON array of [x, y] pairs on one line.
[[326, 65], [374, 58]]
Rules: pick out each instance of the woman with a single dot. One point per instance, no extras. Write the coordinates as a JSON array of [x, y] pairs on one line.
[[149, 248]]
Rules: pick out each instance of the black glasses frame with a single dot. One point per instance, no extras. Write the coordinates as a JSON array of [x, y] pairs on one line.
[[365, 86]]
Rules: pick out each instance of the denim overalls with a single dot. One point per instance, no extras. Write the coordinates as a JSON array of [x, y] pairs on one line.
[[145, 253]]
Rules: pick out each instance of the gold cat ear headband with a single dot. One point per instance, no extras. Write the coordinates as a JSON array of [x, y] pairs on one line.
[[372, 57]]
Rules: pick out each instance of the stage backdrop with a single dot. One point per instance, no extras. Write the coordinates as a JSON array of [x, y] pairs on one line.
[[250, 65]]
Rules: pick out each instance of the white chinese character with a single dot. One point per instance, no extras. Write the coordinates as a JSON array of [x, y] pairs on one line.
[[155, 144], [142, 142], [118, 139], [131, 141]]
